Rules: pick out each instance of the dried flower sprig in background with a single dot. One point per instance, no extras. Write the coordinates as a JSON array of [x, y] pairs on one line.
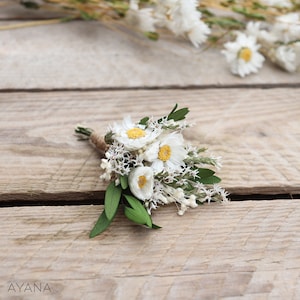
[[249, 31]]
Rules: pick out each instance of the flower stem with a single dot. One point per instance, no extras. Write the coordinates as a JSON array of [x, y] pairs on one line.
[[97, 140], [83, 130], [34, 23]]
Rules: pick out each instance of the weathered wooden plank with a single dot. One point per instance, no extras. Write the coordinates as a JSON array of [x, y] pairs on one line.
[[256, 131], [248, 249], [89, 55]]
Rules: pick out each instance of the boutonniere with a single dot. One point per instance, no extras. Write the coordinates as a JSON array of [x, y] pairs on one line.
[[148, 164]]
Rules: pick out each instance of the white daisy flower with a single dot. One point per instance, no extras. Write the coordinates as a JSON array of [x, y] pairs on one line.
[[243, 55], [169, 152], [287, 27], [140, 182], [133, 136], [183, 19]]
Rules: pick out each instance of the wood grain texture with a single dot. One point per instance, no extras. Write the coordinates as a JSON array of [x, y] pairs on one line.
[[256, 131], [89, 55], [243, 249]]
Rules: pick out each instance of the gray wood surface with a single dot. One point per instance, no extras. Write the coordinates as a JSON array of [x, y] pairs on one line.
[[242, 250], [256, 131], [80, 55], [53, 77]]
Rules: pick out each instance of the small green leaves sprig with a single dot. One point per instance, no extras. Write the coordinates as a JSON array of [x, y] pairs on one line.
[[148, 164]]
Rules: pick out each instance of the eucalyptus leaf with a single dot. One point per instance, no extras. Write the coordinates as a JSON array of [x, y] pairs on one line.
[[100, 225], [210, 180], [112, 200], [124, 182], [138, 211]]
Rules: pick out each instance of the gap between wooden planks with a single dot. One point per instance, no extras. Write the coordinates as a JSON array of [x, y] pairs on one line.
[[256, 131], [248, 249]]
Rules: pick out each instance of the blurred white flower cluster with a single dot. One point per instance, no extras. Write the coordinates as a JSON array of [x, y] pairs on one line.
[[280, 42], [249, 31], [276, 37], [181, 17]]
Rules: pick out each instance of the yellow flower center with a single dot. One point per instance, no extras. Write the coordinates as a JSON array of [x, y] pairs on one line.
[[135, 133], [245, 54], [142, 181], [164, 152]]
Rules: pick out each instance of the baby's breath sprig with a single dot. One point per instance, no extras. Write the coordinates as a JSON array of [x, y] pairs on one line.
[[148, 164]]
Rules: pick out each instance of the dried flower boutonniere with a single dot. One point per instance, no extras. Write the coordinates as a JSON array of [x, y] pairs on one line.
[[148, 164]]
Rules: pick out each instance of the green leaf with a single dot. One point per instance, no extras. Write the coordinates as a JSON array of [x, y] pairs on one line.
[[225, 22], [112, 200], [210, 180], [86, 16], [109, 138], [83, 130], [124, 182], [153, 36], [189, 187], [213, 38], [137, 213], [100, 225], [155, 226], [134, 216], [178, 114], [257, 5], [203, 172], [248, 14], [206, 12], [174, 108], [144, 121]]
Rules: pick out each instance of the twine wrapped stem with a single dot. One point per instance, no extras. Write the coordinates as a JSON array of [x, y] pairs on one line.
[[96, 140]]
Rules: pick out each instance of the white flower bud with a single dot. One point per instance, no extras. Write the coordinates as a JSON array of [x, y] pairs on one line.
[[141, 181]]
